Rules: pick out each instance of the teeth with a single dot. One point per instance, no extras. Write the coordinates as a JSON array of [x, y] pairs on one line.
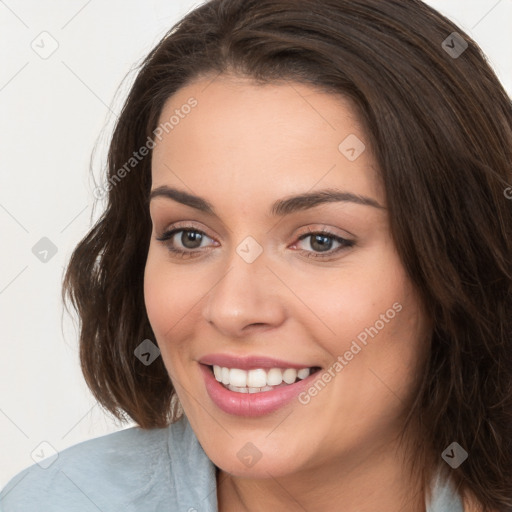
[[238, 378], [290, 375], [248, 390], [254, 381], [274, 377], [238, 390], [302, 374], [217, 371], [256, 378]]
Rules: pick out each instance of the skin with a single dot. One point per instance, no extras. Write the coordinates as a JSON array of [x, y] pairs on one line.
[[241, 148]]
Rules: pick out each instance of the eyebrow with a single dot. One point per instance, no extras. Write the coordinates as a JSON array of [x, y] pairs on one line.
[[279, 208]]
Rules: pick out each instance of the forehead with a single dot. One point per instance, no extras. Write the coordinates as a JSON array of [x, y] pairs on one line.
[[288, 135]]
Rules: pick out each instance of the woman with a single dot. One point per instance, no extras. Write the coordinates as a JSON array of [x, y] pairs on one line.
[[300, 289]]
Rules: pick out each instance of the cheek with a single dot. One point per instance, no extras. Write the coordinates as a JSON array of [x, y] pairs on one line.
[[165, 304], [167, 297], [355, 299], [155, 294], [376, 323]]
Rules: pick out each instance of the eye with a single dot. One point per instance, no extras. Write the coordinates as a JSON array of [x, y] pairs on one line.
[[322, 242], [190, 239]]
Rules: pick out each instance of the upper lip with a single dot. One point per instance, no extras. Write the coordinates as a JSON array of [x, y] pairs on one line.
[[249, 362]]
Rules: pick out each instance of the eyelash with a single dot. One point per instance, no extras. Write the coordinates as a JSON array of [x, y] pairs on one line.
[[167, 236]]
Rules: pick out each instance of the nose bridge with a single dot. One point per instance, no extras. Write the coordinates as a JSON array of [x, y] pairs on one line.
[[246, 293]]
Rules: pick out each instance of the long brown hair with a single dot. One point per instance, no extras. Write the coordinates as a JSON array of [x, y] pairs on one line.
[[440, 125]]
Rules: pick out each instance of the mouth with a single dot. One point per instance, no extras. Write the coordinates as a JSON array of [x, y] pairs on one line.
[[259, 380], [256, 397]]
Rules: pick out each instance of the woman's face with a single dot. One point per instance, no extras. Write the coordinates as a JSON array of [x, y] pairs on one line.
[[260, 282]]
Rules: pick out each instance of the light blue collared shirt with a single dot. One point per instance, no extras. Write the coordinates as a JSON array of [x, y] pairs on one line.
[[136, 470]]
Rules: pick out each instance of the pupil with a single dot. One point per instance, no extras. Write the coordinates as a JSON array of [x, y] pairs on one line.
[[323, 240], [190, 236]]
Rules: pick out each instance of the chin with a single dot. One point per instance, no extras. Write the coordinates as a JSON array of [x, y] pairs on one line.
[[247, 461]]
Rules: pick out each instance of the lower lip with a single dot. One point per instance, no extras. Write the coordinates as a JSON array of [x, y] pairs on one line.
[[251, 404]]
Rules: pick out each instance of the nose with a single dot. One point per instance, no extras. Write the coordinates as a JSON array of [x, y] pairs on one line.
[[247, 297]]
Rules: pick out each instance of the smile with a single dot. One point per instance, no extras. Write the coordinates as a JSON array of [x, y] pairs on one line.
[[256, 397], [259, 380]]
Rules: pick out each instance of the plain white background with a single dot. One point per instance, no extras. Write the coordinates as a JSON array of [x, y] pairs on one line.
[[52, 113]]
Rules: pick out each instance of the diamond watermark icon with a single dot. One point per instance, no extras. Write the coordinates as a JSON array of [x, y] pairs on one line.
[[44, 454], [454, 455], [45, 45], [454, 45], [249, 249], [44, 250], [351, 147], [147, 352], [249, 454]]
